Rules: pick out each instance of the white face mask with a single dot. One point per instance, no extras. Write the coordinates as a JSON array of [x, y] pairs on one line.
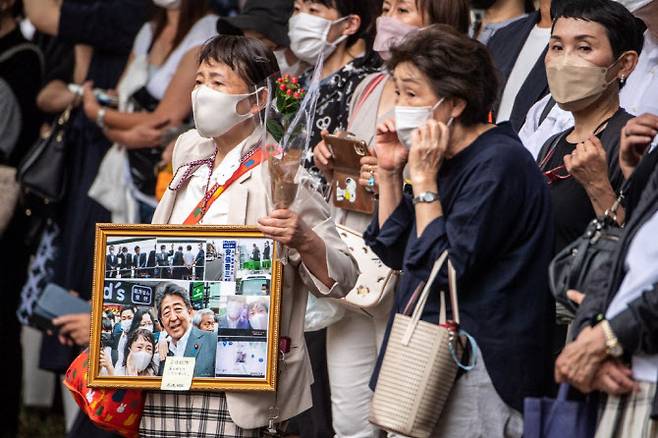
[[148, 327], [410, 118], [168, 4], [259, 321], [125, 324], [140, 360], [215, 112], [308, 36]]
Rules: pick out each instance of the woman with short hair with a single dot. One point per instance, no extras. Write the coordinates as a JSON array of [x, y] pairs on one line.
[[476, 194], [228, 97], [372, 103]]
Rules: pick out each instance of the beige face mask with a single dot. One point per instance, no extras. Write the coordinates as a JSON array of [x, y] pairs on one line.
[[576, 83]]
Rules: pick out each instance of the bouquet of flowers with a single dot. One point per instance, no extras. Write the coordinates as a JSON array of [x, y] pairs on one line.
[[289, 95], [288, 117]]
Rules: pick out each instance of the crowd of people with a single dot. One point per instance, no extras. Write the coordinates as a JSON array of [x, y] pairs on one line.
[[497, 130]]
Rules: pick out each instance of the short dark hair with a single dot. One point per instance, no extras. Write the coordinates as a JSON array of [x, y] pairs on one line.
[[163, 247], [453, 12], [137, 247], [189, 247], [367, 10], [137, 319], [248, 57], [625, 32], [133, 337], [166, 289], [456, 65], [127, 308]]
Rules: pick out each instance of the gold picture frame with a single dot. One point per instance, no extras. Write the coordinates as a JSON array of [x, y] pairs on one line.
[[240, 289]]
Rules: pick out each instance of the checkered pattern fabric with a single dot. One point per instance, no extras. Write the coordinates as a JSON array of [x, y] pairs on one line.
[[191, 415]]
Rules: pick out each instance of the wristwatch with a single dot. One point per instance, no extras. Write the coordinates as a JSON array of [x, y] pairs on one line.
[[426, 198], [613, 347]]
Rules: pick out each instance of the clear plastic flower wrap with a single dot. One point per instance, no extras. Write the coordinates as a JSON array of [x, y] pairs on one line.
[[289, 116]]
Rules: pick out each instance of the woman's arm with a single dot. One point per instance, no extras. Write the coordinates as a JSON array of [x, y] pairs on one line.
[[44, 14], [55, 97], [589, 166], [391, 158], [174, 106]]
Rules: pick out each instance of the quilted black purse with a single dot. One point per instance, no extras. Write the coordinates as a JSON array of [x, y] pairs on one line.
[[574, 266], [42, 173]]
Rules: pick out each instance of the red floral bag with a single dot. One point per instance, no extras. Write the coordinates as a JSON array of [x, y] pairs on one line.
[[116, 410]]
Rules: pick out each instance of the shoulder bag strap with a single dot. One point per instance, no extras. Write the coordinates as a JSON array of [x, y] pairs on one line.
[[370, 88], [452, 285]]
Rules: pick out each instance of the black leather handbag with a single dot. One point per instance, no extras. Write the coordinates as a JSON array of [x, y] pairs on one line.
[[574, 266], [42, 173]]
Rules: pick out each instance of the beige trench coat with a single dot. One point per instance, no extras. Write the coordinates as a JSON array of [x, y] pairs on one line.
[[249, 202]]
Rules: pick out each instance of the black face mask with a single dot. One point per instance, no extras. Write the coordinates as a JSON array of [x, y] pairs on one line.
[[482, 4]]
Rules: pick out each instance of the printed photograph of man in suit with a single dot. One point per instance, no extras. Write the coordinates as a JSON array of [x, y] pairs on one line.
[[183, 338], [178, 269], [199, 263], [162, 262], [139, 263], [111, 263], [125, 263]]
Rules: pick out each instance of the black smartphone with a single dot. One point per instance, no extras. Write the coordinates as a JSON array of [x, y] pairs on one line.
[[55, 301]]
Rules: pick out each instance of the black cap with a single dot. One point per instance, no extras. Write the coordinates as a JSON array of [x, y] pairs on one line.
[[269, 17]]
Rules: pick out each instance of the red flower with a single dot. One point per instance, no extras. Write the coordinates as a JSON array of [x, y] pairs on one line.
[[282, 87], [294, 80], [297, 95], [289, 92]]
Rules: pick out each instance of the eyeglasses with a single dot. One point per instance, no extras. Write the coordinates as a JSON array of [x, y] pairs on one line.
[[557, 174]]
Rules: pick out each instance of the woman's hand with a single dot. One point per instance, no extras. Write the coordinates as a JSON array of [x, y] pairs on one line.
[[614, 378], [324, 159], [91, 105], [163, 347], [636, 137], [130, 368], [368, 176], [428, 150], [581, 359], [588, 164], [73, 328], [106, 362], [391, 154], [287, 228]]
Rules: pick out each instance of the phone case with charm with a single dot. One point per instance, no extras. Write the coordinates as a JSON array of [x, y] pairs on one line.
[[346, 191]]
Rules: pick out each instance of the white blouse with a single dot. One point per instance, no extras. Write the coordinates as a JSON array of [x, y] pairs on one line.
[[189, 196], [160, 76]]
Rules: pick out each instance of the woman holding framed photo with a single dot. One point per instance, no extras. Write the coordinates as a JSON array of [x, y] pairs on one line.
[[222, 152]]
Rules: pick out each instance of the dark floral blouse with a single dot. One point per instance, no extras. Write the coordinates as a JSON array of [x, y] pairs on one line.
[[332, 108]]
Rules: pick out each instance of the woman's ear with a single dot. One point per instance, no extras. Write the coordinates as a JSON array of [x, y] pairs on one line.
[[458, 107], [259, 101], [628, 62], [353, 25]]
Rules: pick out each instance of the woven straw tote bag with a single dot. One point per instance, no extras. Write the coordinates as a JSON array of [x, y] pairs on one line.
[[419, 367]]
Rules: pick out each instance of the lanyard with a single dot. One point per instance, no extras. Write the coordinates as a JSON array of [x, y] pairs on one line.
[[248, 162]]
